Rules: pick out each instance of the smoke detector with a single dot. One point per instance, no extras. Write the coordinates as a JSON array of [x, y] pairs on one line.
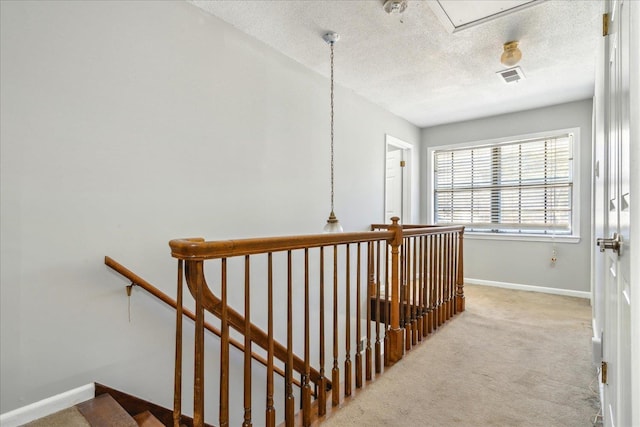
[[511, 75], [395, 6]]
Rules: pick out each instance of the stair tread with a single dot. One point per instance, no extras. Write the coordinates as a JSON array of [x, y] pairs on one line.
[[104, 411], [69, 417], [146, 419]]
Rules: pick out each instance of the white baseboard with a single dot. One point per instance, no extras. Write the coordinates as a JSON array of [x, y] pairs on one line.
[[530, 288], [47, 406]]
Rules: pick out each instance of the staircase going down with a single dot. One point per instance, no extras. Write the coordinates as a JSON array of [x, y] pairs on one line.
[[110, 408]]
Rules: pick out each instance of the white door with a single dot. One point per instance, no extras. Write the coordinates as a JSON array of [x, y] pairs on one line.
[[616, 324], [398, 180], [393, 188]]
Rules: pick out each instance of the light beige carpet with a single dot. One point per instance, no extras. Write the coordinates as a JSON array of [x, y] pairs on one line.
[[513, 358], [70, 417]]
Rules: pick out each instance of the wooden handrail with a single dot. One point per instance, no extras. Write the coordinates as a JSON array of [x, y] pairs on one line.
[[139, 281], [199, 249]]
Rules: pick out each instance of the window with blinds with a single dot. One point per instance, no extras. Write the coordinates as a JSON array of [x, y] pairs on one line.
[[519, 187]]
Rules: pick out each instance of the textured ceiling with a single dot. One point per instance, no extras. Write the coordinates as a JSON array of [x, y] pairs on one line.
[[420, 71]]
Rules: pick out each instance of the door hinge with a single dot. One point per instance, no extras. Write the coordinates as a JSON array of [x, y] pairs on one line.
[[604, 372], [402, 163], [605, 25]]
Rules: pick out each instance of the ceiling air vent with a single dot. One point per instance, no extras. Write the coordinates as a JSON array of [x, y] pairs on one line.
[[511, 75]]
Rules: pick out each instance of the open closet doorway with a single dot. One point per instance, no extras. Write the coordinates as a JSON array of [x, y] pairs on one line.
[[398, 172]]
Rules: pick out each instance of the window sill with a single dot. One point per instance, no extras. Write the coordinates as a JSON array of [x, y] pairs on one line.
[[521, 237]]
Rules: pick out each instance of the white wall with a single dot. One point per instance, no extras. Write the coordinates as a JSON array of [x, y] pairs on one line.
[[518, 262], [127, 124]]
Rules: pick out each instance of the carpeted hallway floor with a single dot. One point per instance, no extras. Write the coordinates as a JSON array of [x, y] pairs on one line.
[[513, 358]]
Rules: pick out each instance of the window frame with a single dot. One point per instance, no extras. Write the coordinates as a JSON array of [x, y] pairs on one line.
[[574, 237]]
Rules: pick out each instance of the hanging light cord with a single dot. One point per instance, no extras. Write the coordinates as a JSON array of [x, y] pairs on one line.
[[331, 45], [332, 226]]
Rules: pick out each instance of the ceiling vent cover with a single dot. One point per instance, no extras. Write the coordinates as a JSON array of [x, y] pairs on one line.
[[511, 75]]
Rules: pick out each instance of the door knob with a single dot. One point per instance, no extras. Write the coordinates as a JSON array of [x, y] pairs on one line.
[[613, 243]]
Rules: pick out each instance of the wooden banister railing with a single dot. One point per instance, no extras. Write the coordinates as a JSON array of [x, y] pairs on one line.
[[152, 290], [387, 290]]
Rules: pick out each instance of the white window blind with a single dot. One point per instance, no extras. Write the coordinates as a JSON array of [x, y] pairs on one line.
[[522, 187]]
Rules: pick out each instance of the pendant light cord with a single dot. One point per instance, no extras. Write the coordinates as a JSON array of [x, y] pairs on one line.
[[331, 45], [333, 225]]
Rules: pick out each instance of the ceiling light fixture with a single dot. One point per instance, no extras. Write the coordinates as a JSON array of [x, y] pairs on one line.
[[511, 54], [333, 225], [395, 6]]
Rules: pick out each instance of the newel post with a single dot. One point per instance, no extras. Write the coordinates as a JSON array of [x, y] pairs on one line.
[[460, 278], [396, 334]]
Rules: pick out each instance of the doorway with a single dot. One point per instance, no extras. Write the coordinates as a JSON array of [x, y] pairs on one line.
[[398, 172]]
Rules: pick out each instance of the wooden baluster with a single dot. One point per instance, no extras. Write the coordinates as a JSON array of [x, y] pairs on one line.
[[270, 414], [406, 250], [322, 393], [289, 400], [451, 275], [247, 344], [447, 252], [419, 279], [387, 305], [347, 361], [438, 264], [358, 321], [447, 264], [441, 264], [454, 273], [395, 333], [378, 348], [412, 291], [434, 282], [458, 255], [224, 351], [335, 372], [401, 272], [425, 286], [409, 285], [460, 278], [433, 260], [415, 301], [198, 371], [177, 379], [306, 387], [368, 373], [445, 277], [452, 291]]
